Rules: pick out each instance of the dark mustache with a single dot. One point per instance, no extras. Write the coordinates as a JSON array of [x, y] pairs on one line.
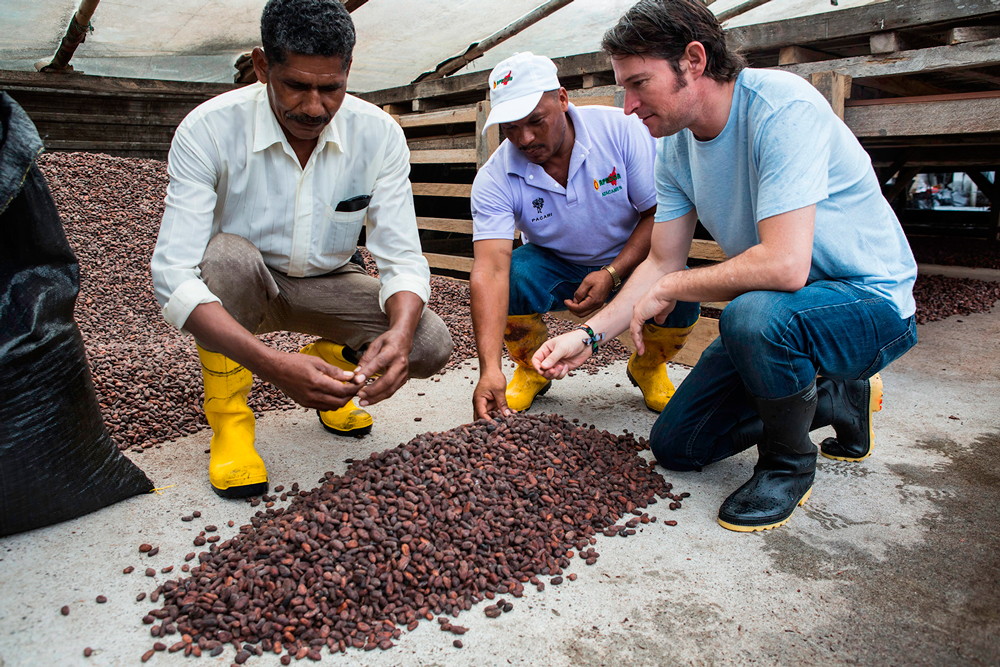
[[308, 120]]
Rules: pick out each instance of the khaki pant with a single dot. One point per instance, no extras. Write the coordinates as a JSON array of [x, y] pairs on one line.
[[341, 306]]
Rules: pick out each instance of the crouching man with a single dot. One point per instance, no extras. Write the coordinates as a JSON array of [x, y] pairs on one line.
[[819, 272], [270, 186], [578, 184]]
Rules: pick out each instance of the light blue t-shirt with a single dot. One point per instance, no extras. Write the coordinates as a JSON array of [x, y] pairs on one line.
[[588, 222], [783, 148]]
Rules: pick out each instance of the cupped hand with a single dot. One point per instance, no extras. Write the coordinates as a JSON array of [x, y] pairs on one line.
[[591, 294], [387, 356], [490, 394], [310, 381]]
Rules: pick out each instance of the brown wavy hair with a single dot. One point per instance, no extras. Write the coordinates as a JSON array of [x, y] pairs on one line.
[[664, 28]]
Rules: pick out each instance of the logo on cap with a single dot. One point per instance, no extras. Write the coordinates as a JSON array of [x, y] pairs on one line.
[[504, 81]]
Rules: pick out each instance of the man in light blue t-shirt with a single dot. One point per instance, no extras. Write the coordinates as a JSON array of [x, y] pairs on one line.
[[578, 184], [819, 273]]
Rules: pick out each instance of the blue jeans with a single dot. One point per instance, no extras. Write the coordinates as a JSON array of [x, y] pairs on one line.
[[540, 281], [771, 345]]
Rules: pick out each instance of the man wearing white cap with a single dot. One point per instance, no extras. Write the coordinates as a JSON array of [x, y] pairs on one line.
[[578, 184]]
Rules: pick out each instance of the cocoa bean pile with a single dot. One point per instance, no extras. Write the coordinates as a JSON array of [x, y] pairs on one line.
[[939, 297], [429, 528]]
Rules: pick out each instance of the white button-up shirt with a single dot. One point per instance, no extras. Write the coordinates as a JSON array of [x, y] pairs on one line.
[[232, 170]]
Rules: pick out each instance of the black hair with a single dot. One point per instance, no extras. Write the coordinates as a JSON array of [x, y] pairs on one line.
[[664, 28], [306, 27]]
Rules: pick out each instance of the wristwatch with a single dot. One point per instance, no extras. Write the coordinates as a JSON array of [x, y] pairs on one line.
[[616, 280]]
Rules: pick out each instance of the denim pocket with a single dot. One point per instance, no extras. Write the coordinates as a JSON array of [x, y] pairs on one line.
[[894, 349]]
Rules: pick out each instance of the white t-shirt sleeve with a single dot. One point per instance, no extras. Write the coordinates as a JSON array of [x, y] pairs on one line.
[[492, 208], [792, 151], [640, 160], [671, 201]]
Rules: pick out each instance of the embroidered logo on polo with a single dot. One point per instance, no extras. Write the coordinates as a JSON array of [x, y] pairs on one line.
[[538, 204], [612, 180], [504, 81]]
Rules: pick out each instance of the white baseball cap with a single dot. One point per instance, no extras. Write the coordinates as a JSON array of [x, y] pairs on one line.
[[517, 84]]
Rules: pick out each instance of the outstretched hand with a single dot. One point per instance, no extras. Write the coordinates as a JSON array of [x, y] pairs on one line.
[[558, 356]]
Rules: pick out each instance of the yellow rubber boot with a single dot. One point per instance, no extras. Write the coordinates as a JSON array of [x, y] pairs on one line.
[[649, 371], [235, 469], [349, 420], [523, 336]]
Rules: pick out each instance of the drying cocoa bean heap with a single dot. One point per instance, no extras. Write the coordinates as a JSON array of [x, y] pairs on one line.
[[430, 527]]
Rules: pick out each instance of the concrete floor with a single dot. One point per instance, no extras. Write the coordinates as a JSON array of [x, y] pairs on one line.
[[895, 560]]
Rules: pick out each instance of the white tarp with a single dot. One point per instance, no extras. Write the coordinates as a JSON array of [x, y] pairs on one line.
[[199, 40]]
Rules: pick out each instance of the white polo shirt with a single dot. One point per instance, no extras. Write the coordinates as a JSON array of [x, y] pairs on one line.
[[232, 170], [588, 222]]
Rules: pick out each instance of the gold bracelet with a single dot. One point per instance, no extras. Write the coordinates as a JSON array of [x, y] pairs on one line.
[[616, 280]]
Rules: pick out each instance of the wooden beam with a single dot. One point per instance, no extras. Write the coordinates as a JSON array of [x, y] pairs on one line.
[[568, 66], [449, 262], [834, 87], [444, 156], [985, 53], [868, 19], [442, 189], [889, 42], [351, 5], [477, 49], [989, 189], [902, 182], [706, 250], [487, 138], [917, 116], [792, 55], [466, 114], [75, 35], [972, 33], [445, 225]]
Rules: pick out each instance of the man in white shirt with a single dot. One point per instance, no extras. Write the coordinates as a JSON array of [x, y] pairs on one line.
[[578, 184], [270, 186]]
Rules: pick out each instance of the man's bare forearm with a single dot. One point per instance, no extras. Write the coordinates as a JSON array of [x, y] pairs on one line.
[[404, 310], [217, 331], [489, 285]]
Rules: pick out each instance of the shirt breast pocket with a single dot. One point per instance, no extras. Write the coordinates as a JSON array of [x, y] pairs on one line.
[[343, 229]]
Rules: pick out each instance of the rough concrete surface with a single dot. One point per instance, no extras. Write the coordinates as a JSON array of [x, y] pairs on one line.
[[894, 560]]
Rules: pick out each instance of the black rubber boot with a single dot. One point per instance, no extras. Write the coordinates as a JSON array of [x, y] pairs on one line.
[[848, 406], [786, 466]]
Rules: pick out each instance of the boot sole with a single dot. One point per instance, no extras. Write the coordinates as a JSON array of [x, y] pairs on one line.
[[245, 491], [353, 433], [753, 529], [636, 385], [874, 405]]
